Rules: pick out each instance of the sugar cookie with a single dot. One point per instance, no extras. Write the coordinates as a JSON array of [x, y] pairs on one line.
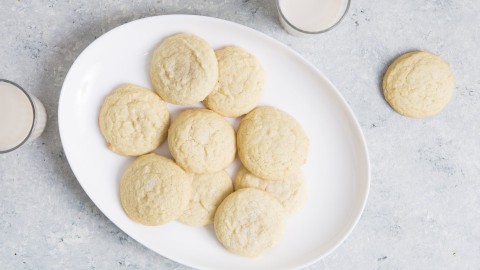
[[271, 143], [209, 190], [418, 84], [201, 141], [154, 190], [184, 69], [291, 191], [133, 120], [249, 221], [240, 83]]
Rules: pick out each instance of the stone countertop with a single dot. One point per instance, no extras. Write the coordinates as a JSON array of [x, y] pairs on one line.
[[423, 210]]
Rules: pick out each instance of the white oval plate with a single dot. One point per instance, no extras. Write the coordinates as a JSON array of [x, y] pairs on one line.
[[337, 169]]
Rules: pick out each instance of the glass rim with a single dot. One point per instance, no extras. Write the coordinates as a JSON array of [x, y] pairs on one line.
[[33, 120], [312, 32]]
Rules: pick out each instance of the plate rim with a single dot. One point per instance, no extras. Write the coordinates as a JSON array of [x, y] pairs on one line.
[[336, 92]]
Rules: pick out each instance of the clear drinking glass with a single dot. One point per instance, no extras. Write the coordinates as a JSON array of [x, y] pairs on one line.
[[292, 18], [22, 116]]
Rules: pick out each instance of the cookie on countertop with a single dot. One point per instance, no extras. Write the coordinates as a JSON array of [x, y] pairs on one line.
[[201, 141], [184, 69], [271, 143], [418, 84], [240, 82], [209, 190], [154, 190], [133, 120], [249, 222], [291, 191]]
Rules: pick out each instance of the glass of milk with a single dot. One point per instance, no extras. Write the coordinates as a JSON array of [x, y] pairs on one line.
[[307, 17], [22, 116]]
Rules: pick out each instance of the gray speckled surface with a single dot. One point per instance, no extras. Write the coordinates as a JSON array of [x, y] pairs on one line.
[[423, 210]]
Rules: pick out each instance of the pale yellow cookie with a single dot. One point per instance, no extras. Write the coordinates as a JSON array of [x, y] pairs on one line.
[[184, 69], [240, 83], [209, 190], [290, 191], [154, 190], [271, 143], [133, 120], [249, 221], [418, 84], [201, 141]]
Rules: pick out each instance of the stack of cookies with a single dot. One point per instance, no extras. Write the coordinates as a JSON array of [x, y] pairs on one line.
[[194, 188]]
